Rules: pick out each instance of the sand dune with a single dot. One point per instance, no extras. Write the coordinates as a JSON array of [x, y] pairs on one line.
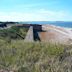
[[55, 34]]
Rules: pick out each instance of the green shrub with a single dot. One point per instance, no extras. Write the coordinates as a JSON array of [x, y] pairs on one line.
[[13, 33]]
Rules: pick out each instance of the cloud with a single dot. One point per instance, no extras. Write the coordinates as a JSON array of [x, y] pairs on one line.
[[38, 15]]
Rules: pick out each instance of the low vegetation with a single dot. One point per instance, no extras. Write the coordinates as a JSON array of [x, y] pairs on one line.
[[20, 56], [14, 32]]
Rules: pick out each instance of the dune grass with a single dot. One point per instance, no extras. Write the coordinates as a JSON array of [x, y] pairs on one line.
[[19, 56], [13, 33], [27, 57]]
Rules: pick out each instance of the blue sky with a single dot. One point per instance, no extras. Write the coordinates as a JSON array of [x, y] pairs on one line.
[[36, 10]]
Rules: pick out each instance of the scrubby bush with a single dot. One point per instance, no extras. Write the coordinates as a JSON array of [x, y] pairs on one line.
[[13, 33]]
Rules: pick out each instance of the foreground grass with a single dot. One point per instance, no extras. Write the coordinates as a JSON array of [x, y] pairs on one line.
[[19, 56]]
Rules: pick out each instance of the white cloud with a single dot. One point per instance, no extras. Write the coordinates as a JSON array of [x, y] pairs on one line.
[[38, 15]]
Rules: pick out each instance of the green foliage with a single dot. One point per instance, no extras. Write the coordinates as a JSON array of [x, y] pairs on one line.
[[13, 33], [19, 56], [27, 57]]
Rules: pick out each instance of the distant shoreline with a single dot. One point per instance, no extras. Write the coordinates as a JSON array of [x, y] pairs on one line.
[[56, 23], [64, 24]]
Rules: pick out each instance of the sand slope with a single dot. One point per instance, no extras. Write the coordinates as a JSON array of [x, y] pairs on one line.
[[55, 34]]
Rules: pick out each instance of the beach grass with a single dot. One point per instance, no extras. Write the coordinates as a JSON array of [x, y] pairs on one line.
[[21, 56]]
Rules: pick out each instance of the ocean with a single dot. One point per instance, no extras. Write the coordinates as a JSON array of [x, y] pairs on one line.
[[56, 23]]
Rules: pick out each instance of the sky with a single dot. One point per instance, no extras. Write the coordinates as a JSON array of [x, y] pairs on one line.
[[35, 10]]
